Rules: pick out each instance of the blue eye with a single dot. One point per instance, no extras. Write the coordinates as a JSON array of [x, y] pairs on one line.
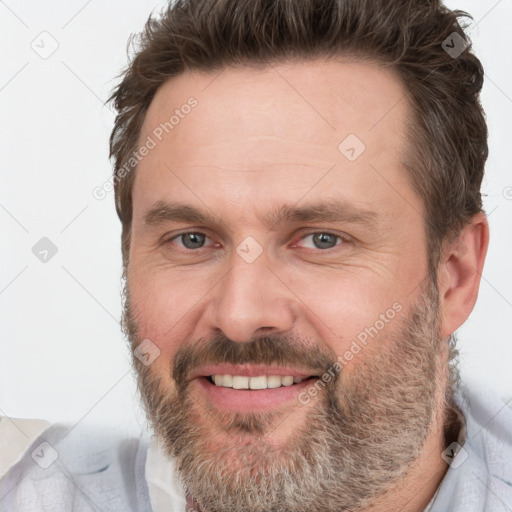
[[324, 240], [192, 240], [195, 241]]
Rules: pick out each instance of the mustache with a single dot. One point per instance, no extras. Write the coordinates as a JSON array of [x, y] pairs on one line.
[[275, 350]]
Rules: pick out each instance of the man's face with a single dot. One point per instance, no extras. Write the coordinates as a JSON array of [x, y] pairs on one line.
[[307, 258]]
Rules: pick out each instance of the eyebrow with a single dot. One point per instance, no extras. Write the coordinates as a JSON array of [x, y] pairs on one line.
[[330, 211]]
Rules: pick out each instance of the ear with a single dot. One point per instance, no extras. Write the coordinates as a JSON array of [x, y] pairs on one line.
[[459, 273]]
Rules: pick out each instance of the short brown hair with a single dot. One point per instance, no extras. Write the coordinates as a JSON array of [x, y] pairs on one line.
[[448, 132]]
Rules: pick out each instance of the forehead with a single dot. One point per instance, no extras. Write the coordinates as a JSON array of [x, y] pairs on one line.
[[270, 134]]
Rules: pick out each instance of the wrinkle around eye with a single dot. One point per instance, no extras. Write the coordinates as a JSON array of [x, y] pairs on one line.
[[335, 235]]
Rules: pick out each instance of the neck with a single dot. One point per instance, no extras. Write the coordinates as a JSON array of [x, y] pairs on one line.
[[414, 492]]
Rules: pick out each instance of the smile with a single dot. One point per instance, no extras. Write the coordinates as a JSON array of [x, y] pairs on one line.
[[258, 382]]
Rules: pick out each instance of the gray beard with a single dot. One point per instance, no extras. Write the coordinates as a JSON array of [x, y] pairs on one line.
[[362, 433]]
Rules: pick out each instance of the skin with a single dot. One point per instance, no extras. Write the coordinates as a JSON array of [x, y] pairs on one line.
[[262, 138]]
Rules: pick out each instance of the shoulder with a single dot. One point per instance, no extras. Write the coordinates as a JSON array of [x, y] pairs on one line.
[[489, 425], [484, 463], [68, 468], [16, 435]]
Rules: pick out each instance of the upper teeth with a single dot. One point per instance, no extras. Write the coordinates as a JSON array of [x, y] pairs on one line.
[[260, 382]]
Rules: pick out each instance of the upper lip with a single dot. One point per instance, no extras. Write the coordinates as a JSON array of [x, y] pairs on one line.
[[249, 370]]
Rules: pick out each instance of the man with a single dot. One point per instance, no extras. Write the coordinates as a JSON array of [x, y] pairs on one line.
[[299, 190]]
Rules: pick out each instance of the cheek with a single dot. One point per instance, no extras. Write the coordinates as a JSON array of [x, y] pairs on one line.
[[354, 315], [346, 301], [162, 310]]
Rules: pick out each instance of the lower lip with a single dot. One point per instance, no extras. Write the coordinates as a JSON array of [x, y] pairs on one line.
[[250, 400]]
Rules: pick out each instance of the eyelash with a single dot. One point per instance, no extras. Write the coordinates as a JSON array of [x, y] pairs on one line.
[[343, 240]]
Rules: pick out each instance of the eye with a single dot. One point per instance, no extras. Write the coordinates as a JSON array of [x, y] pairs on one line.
[[193, 240], [323, 240], [190, 240]]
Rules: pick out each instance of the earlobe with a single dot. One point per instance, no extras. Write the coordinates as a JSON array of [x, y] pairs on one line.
[[459, 274]]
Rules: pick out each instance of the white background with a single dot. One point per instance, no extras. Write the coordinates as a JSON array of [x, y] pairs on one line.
[[63, 357]]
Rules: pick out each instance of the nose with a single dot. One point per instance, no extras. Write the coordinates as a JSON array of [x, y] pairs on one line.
[[251, 300]]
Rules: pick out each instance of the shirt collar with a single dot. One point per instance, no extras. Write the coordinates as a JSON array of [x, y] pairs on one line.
[[461, 438], [165, 491]]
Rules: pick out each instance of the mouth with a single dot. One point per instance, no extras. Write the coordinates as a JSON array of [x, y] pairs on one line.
[[255, 383], [252, 389]]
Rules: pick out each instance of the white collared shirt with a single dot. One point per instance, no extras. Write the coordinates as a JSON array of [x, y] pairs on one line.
[[165, 491]]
